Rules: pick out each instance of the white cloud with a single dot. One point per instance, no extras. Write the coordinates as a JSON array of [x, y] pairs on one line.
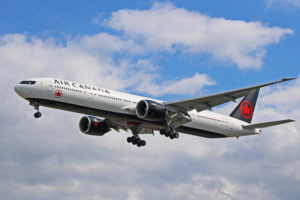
[[166, 27], [35, 57], [186, 86], [281, 99], [134, 194]]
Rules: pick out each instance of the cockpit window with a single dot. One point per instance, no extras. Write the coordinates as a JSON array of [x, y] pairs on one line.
[[28, 82]]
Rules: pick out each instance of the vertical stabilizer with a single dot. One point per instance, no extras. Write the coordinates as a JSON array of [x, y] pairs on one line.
[[244, 111]]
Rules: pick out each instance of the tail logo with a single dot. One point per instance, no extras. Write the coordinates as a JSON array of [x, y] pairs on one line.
[[246, 109]]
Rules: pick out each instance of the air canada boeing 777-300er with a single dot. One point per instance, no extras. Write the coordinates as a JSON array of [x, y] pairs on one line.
[[107, 109]]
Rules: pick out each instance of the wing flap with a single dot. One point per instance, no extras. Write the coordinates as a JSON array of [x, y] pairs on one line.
[[267, 124], [176, 119]]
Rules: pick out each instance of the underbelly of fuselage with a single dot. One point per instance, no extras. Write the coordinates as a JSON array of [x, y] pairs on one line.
[[122, 117]]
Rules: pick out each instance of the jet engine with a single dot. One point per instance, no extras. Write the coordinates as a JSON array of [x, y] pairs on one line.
[[151, 110], [93, 126]]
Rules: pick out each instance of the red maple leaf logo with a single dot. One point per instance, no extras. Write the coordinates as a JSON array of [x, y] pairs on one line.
[[246, 109], [58, 93]]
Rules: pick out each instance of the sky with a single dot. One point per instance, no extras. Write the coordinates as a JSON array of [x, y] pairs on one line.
[[169, 50]]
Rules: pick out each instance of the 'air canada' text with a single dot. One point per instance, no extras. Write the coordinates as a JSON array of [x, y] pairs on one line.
[[77, 86]]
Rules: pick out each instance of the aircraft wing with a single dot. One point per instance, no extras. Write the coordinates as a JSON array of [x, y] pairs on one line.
[[209, 101]]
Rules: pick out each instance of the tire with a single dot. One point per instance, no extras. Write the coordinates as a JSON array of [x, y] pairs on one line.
[[139, 143], [129, 139], [134, 141], [162, 131], [143, 143], [37, 115]]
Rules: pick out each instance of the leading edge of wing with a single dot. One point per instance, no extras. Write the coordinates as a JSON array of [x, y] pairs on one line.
[[209, 101]]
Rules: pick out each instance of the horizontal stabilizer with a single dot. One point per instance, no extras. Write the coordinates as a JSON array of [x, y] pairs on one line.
[[268, 124]]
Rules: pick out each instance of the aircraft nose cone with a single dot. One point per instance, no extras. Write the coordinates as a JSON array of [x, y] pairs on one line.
[[18, 90]]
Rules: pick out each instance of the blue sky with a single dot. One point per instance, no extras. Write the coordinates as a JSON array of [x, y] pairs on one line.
[[162, 49]]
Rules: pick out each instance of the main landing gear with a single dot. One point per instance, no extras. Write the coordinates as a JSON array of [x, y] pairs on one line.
[[36, 106], [136, 140], [169, 133]]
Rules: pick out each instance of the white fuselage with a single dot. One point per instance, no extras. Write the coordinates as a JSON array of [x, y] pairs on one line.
[[76, 97]]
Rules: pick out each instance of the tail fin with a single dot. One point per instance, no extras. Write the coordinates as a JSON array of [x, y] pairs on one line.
[[244, 111]]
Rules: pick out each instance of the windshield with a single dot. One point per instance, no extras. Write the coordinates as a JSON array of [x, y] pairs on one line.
[[28, 82]]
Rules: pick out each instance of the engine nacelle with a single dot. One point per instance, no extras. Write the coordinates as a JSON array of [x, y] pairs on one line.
[[93, 126], [151, 110]]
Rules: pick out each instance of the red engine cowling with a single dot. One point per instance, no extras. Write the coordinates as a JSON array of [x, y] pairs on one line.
[[93, 126]]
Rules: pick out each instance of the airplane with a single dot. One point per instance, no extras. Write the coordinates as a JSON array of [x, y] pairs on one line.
[[105, 109]]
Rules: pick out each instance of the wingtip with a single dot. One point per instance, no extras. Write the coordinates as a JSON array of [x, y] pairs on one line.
[[291, 120], [287, 79]]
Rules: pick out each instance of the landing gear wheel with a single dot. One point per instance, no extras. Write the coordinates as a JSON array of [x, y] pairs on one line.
[[37, 115], [143, 142], [163, 131], [139, 143], [169, 133], [134, 141], [176, 135], [129, 139]]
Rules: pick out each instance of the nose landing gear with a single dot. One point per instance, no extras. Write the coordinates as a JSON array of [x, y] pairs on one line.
[[36, 106]]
